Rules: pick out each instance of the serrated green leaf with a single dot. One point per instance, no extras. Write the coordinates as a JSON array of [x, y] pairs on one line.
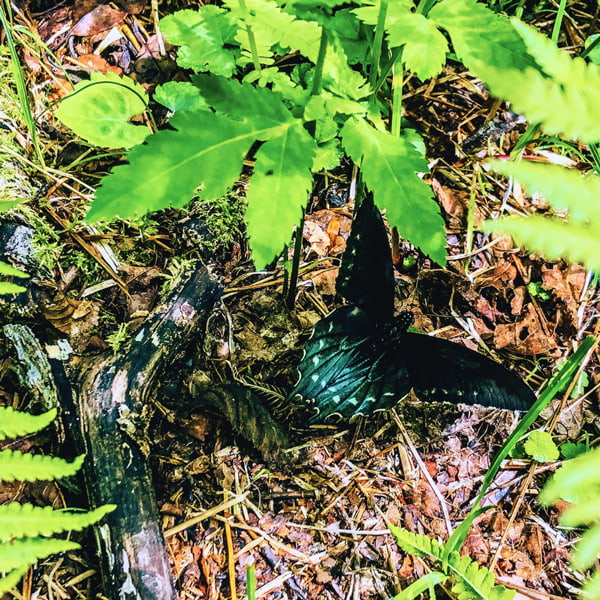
[[14, 423], [18, 553], [10, 288], [576, 242], [425, 47], [587, 548], [541, 447], [180, 95], [565, 104], [99, 111], [202, 35], [21, 520], [16, 465], [204, 149], [278, 190], [9, 270], [480, 36], [389, 165], [237, 99], [578, 475], [11, 579]]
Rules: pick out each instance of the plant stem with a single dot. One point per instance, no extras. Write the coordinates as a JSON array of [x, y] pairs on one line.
[[377, 44], [251, 39], [20, 82], [318, 78], [398, 71], [293, 280]]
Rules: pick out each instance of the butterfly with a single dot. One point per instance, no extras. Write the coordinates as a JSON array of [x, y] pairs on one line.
[[361, 359]]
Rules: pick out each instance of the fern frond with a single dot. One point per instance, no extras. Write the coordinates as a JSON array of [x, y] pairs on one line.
[[20, 520], [33, 467], [561, 187], [416, 544], [14, 423], [564, 103], [12, 578], [26, 551], [576, 242], [475, 581]]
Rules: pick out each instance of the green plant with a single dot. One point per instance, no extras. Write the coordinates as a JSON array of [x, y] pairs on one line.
[[570, 89], [118, 337], [23, 527], [311, 86], [448, 553], [469, 579], [578, 482]]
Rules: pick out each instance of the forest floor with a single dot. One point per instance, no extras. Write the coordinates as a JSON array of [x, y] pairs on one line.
[[313, 522]]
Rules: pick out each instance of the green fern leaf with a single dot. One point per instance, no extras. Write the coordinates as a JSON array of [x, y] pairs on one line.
[[242, 100], [99, 111], [576, 242], [389, 166], [425, 583], [205, 149], [26, 520], [562, 188], [278, 190], [565, 103], [425, 47], [11, 579], [11, 271], [475, 581], [14, 423], [588, 547], [10, 288], [416, 544], [32, 467], [480, 36], [26, 551], [271, 27], [202, 36]]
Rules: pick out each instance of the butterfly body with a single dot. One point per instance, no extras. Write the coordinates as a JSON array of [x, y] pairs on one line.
[[360, 359]]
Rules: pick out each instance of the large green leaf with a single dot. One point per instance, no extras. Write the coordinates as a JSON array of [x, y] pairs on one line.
[[99, 111], [480, 36], [565, 103], [204, 149], [424, 46], [202, 36], [278, 191], [561, 187], [576, 242], [389, 167]]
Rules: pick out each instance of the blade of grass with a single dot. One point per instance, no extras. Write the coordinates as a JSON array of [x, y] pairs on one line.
[[6, 22]]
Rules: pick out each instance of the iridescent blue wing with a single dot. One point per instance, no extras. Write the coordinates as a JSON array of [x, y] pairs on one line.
[[348, 370], [366, 276]]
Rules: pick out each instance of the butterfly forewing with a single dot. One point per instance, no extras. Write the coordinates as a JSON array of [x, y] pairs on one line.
[[366, 277]]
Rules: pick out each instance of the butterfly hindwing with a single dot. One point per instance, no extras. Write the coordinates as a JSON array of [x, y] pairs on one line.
[[445, 371], [366, 276], [346, 371]]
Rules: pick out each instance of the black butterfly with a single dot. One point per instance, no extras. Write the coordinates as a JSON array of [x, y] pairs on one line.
[[361, 359]]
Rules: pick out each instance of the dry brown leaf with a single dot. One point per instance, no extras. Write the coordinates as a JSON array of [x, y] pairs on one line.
[[102, 18], [566, 283], [525, 336]]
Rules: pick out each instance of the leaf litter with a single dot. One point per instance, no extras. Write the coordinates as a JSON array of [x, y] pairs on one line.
[[314, 525]]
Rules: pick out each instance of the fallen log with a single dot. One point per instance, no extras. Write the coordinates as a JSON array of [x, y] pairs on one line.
[[108, 396]]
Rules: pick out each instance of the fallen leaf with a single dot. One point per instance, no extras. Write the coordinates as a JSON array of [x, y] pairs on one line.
[[102, 18]]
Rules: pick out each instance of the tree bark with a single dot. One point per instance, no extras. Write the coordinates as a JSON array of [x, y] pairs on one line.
[[107, 396]]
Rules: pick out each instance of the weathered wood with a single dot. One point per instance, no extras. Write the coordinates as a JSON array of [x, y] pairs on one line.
[[109, 394]]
